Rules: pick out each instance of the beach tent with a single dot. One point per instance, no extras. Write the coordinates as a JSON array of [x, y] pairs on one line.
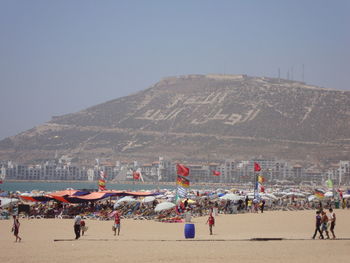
[[92, 197], [35, 197], [69, 193], [164, 206]]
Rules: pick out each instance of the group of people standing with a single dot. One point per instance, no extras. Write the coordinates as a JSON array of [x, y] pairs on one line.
[[80, 226], [323, 220]]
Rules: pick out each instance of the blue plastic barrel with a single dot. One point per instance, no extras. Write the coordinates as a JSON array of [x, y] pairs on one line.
[[189, 230]]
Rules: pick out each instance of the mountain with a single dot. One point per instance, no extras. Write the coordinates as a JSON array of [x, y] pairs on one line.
[[199, 117]]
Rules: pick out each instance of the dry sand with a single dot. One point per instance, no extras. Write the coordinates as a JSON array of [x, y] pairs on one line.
[[150, 241]]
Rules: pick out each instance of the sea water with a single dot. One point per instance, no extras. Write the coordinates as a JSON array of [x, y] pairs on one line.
[[57, 186]]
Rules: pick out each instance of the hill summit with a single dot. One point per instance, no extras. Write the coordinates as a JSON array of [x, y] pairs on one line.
[[199, 117]]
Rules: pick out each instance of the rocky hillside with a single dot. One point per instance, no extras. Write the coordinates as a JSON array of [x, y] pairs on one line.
[[199, 117]]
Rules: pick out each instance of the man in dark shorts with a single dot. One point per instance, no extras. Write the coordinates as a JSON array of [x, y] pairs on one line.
[[318, 225], [77, 221], [332, 219]]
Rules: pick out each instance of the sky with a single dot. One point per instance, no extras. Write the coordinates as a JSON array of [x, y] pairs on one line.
[[59, 57]]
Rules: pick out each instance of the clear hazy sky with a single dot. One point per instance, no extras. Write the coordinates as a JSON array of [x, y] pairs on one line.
[[58, 57]]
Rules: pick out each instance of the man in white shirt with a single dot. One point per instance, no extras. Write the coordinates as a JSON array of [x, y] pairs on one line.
[[332, 219], [77, 221]]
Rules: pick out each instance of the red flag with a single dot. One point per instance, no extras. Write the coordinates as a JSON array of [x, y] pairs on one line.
[[257, 167], [262, 189], [216, 173], [183, 182], [136, 175], [182, 170]]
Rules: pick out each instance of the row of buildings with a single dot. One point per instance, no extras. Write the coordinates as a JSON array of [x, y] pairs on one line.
[[164, 170]]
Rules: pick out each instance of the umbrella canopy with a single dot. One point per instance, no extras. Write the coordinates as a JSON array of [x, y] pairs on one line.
[[271, 196], [126, 199], [311, 198], [328, 194], [232, 197], [164, 206], [5, 202], [148, 199]]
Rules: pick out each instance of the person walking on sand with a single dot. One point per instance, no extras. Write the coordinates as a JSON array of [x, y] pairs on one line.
[[77, 221], [116, 223], [332, 218], [15, 228], [211, 222], [318, 225], [83, 227], [324, 222]]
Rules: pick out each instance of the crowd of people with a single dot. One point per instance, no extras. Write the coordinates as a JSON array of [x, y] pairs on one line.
[[197, 206]]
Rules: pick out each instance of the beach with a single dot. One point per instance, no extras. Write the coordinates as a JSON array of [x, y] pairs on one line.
[[151, 241]]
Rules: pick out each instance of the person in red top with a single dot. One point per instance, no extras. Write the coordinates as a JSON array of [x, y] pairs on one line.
[[83, 227], [117, 223], [211, 222]]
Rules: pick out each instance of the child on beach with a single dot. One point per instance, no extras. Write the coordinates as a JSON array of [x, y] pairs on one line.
[[15, 228], [116, 223], [211, 222], [83, 227]]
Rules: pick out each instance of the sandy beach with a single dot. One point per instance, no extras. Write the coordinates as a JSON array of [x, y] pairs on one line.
[[150, 241]]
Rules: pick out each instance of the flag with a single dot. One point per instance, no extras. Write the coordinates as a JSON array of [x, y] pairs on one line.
[[159, 174], [319, 193], [182, 170], [257, 167], [216, 173], [181, 192], [102, 181], [101, 185], [261, 188], [329, 183], [103, 175], [183, 182], [261, 179]]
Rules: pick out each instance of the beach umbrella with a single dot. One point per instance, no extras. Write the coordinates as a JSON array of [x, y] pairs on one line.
[[328, 194], [5, 202], [126, 199], [311, 198], [164, 206], [271, 196], [232, 197], [148, 199]]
